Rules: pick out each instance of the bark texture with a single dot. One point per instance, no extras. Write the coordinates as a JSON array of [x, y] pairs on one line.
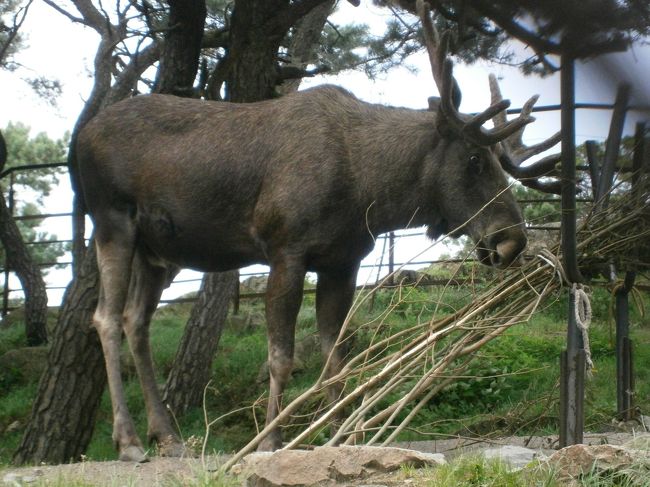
[[306, 34], [190, 371], [19, 260], [192, 366], [254, 43], [180, 58], [63, 415], [257, 28], [68, 396], [251, 77]]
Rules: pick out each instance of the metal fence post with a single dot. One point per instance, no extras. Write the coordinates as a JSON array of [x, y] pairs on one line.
[[391, 258], [612, 148], [572, 360], [624, 379], [624, 346], [7, 271]]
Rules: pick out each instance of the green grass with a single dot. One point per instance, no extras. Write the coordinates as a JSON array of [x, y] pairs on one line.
[[513, 389], [12, 337], [474, 471], [477, 471]]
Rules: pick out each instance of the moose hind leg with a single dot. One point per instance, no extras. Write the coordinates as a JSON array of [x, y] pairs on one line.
[[334, 294], [147, 283], [114, 244], [283, 299]]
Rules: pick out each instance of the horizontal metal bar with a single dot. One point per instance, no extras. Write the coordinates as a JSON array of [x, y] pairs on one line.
[[552, 200], [594, 283], [541, 227], [47, 242], [32, 167], [42, 216], [580, 106]]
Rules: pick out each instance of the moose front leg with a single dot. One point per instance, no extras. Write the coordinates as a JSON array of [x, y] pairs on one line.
[[334, 294], [283, 298]]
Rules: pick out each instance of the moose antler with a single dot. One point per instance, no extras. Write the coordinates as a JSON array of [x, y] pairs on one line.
[[516, 152], [442, 67]]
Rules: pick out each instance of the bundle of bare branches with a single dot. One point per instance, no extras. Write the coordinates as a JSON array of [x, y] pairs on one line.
[[418, 362]]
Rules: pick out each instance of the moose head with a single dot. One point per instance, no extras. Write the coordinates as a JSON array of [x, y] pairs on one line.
[[487, 212]]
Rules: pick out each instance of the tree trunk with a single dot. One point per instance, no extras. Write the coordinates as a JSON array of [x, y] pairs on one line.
[[64, 411], [251, 77], [253, 49], [19, 260], [68, 396], [306, 34], [63, 415], [192, 366], [180, 59], [190, 371]]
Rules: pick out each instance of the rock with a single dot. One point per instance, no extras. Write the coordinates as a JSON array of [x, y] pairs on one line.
[[17, 480], [246, 322], [640, 442], [573, 461], [515, 456], [407, 277], [640, 423], [254, 284], [12, 479], [328, 465], [15, 426]]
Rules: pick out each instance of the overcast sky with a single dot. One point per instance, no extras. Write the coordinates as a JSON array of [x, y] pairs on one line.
[[59, 49]]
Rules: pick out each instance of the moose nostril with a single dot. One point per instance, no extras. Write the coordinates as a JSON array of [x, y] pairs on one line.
[[506, 252]]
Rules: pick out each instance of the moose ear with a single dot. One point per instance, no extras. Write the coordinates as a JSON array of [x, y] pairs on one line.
[[442, 126], [434, 103]]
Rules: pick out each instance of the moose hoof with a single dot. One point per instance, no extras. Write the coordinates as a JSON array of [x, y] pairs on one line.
[[133, 454]]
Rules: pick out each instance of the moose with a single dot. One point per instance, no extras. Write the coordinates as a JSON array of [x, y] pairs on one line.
[[302, 183]]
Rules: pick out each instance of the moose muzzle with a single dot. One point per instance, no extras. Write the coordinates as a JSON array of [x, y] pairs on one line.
[[503, 248]]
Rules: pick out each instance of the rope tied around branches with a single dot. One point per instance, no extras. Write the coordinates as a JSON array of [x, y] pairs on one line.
[[554, 261], [582, 304], [583, 320]]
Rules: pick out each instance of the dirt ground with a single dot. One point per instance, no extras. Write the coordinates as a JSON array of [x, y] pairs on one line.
[[183, 471]]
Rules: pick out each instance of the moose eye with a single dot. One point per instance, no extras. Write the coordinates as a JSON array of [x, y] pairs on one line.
[[475, 163]]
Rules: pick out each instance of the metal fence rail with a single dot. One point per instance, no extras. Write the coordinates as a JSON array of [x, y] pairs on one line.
[[386, 263]]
